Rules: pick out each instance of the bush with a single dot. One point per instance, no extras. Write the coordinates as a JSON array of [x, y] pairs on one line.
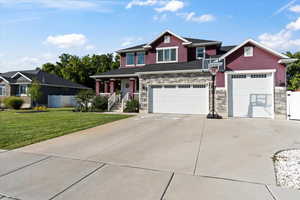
[[132, 106], [100, 103], [13, 102], [84, 101], [40, 108]]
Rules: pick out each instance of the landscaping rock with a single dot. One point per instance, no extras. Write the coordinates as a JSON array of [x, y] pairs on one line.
[[287, 168]]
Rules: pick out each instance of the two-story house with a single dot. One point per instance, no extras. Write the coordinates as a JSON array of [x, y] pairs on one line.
[[170, 74]]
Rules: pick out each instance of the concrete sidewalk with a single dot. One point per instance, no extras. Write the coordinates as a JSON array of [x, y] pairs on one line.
[[154, 157]]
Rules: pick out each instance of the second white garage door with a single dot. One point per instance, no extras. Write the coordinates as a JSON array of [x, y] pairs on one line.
[[181, 99], [251, 95]]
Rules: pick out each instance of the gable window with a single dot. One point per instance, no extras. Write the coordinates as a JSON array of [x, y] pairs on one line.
[[22, 90], [248, 51], [167, 39], [2, 90], [141, 58], [200, 52], [130, 59], [167, 55]]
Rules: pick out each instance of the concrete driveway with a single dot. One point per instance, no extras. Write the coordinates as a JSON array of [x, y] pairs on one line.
[[171, 157]]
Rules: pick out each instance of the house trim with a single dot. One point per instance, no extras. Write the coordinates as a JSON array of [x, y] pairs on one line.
[[19, 73], [117, 75], [257, 44], [185, 42], [4, 79], [173, 71]]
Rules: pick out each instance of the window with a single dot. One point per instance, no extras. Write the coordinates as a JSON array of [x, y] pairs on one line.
[[167, 55], [248, 51], [130, 59], [141, 58], [22, 90], [239, 76], [2, 90], [200, 52], [167, 39], [258, 75]]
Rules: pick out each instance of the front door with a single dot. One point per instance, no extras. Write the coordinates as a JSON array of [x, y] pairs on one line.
[[125, 86]]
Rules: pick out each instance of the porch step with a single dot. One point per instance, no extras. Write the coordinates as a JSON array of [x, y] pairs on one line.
[[117, 108]]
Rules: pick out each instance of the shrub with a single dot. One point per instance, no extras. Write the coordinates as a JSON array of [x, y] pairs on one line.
[[132, 106], [40, 108], [84, 100], [13, 102], [100, 103]]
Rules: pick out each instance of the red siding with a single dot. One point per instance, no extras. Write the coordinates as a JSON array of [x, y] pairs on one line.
[[261, 60]]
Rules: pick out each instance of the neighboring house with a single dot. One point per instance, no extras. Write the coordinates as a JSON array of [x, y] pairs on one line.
[[16, 83], [170, 75]]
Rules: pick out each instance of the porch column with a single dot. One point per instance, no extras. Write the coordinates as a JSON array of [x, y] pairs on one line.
[[98, 85], [106, 87], [112, 84], [132, 86]]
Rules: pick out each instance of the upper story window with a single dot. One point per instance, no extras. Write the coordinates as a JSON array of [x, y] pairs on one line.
[[140, 58], [2, 90], [248, 51], [22, 90], [129, 59], [169, 54], [167, 39], [200, 52]]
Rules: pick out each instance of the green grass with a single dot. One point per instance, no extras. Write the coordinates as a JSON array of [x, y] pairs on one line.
[[21, 129]]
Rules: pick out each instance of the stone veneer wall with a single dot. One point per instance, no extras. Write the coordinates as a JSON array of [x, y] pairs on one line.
[[221, 102], [171, 78], [280, 102]]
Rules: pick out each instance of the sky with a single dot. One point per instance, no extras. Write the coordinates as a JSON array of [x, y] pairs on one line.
[[33, 32]]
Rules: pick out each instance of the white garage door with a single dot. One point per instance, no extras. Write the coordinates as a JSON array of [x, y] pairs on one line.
[[251, 95], [181, 99]]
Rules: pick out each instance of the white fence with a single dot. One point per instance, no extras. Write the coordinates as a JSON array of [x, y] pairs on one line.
[[293, 105], [55, 101]]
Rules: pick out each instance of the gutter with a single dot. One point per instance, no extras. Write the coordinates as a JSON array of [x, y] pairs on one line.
[[287, 60]]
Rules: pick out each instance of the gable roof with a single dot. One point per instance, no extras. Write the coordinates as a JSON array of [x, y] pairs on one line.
[[43, 77], [256, 44], [186, 41]]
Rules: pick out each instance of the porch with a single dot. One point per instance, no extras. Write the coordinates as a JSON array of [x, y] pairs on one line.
[[118, 90]]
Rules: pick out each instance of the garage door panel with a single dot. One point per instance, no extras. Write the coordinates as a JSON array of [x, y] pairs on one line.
[[182, 100], [251, 95]]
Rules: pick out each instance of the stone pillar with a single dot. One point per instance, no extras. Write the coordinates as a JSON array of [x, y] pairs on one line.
[[280, 103], [106, 87], [112, 85], [98, 85]]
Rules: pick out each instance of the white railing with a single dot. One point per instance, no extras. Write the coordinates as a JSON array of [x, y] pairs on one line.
[[125, 99]]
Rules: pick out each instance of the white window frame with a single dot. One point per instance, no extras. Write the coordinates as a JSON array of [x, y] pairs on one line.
[[248, 51], [133, 59], [137, 58], [3, 91], [167, 39], [164, 48], [19, 90], [204, 51]]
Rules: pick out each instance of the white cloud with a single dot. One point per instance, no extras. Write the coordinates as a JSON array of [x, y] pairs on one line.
[[284, 7], [200, 19], [67, 41], [295, 8], [130, 41], [171, 6], [90, 47], [294, 25], [160, 18], [141, 3], [284, 39], [60, 4]]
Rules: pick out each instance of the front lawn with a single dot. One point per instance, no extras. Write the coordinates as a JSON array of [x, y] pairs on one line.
[[21, 129]]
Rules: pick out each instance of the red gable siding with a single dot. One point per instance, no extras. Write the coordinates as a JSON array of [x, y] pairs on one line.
[[182, 50], [261, 60]]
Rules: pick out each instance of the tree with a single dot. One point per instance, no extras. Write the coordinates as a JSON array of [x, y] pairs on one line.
[[293, 71], [34, 91], [85, 100], [79, 69], [295, 82]]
